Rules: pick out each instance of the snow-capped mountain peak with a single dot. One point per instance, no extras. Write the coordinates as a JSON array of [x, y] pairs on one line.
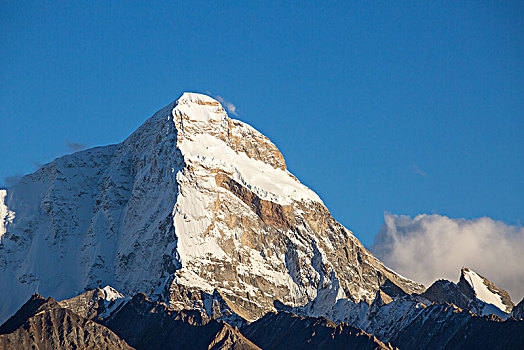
[[486, 291], [111, 293], [192, 199], [200, 107]]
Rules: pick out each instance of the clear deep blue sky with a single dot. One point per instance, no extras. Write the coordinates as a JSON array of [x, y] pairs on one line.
[[413, 107]]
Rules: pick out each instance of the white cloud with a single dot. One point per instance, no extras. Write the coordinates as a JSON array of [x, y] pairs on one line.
[[231, 108], [429, 247]]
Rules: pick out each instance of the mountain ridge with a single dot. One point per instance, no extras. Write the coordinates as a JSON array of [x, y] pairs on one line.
[[146, 324]]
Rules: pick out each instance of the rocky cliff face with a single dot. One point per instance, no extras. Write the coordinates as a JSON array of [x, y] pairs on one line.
[[193, 201]]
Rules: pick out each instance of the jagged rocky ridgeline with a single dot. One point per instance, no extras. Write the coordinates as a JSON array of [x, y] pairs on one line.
[[45, 324], [83, 322], [103, 318], [198, 212]]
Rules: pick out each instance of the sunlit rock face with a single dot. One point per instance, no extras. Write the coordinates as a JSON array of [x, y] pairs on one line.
[[192, 201]]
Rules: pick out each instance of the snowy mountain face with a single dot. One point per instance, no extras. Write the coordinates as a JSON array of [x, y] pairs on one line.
[[104, 214], [486, 291], [193, 209]]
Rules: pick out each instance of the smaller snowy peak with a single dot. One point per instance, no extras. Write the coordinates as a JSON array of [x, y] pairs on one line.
[[486, 291], [473, 292], [111, 293], [95, 303]]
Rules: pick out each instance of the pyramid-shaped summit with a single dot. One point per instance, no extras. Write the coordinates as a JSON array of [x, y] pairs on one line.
[[195, 209]]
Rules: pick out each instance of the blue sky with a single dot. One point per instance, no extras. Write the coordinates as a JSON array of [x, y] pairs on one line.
[[408, 108]]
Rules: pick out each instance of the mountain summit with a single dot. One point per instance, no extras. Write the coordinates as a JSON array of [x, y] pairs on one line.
[[194, 209]]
